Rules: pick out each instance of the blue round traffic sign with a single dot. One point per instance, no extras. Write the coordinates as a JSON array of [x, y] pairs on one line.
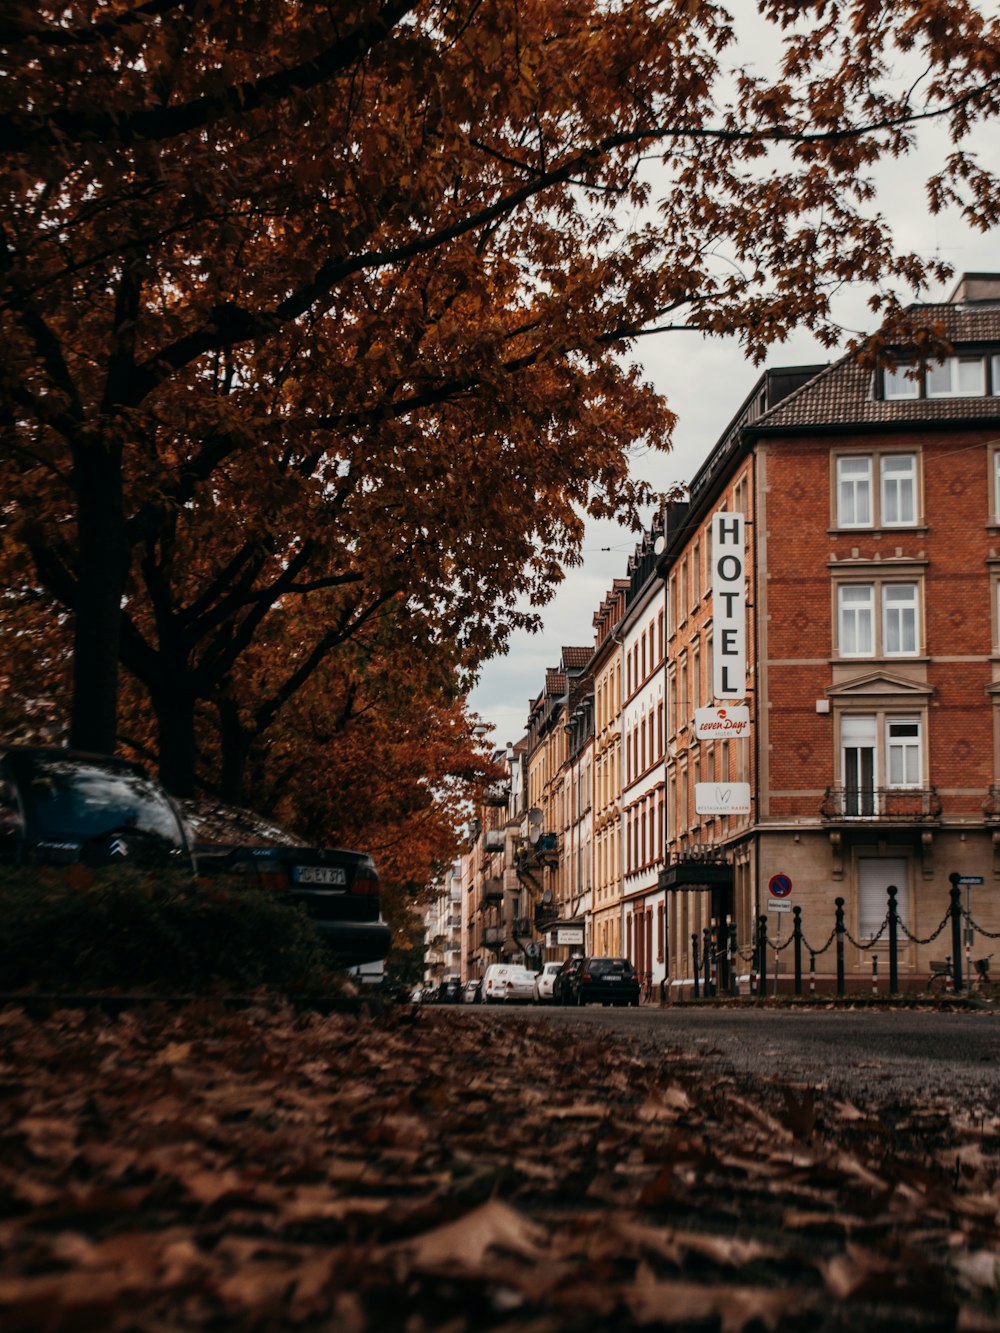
[[780, 886]]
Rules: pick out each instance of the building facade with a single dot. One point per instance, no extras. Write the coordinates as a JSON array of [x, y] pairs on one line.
[[871, 501]]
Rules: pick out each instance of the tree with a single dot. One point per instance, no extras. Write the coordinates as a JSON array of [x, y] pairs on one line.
[[300, 253]]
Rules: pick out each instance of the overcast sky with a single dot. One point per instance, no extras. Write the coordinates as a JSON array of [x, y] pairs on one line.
[[705, 381]]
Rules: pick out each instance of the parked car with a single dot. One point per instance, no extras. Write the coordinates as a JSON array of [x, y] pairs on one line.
[[605, 981], [61, 806], [507, 983], [472, 992], [561, 993], [544, 980], [450, 991], [339, 889]]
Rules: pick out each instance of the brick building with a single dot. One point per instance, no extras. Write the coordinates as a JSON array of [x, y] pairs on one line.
[[872, 511]]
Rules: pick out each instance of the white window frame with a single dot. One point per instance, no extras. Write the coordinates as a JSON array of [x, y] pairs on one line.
[[909, 748], [996, 485], [866, 612], [854, 492], [878, 735], [900, 616], [899, 383], [858, 621], [895, 486], [948, 377], [863, 504]]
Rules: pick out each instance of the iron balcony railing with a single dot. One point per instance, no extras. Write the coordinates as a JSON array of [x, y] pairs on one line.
[[493, 935], [890, 804], [991, 806]]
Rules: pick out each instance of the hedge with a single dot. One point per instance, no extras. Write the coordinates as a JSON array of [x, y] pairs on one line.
[[76, 930]]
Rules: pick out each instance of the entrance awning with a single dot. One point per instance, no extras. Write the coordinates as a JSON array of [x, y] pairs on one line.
[[696, 875], [565, 933]]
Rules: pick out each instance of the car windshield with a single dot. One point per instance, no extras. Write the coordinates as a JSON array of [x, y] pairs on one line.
[[82, 799], [616, 966]]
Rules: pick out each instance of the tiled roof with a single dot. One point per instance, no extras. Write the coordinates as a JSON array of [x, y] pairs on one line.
[[575, 659], [842, 393], [555, 682]]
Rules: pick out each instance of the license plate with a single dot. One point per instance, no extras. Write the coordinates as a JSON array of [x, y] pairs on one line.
[[320, 875], [611, 978]]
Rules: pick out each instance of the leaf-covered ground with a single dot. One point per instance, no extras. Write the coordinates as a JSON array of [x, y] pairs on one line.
[[262, 1170]]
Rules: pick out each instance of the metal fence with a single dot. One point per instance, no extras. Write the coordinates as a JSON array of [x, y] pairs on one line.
[[708, 952]]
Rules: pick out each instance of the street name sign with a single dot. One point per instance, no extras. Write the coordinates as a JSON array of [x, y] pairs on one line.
[[778, 905], [970, 879]]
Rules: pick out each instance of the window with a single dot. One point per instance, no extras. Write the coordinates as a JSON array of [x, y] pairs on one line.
[[854, 492], [855, 619], [900, 382], [897, 493], [875, 874], [856, 622], [957, 377], [968, 375], [864, 770], [899, 489], [902, 749], [899, 619]]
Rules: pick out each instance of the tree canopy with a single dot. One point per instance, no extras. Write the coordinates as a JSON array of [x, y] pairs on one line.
[[315, 317]]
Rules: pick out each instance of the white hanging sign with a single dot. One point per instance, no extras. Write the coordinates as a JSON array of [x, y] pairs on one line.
[[729, 605], [722, 798], [722, 723]]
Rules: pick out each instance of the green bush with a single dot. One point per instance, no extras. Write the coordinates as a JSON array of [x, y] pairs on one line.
[[73, 929]]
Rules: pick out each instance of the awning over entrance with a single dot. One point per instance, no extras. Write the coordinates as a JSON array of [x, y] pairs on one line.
[[562, 933], [696, 875]]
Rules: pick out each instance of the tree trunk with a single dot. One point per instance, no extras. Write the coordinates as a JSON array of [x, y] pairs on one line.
[[236, 742], [102, 565], [175, 721]]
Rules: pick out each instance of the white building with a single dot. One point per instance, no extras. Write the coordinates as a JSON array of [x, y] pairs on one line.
[[643, 636]]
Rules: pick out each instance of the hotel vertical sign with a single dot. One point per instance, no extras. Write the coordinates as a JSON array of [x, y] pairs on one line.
[[729, 611]]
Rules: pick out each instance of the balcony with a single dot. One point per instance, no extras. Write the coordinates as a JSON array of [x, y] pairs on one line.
[[493, 840], [522, 927], [493, 936], [991, 806], [544, 852], [492, 891], [889, 805], [498, 794], [453, 922]]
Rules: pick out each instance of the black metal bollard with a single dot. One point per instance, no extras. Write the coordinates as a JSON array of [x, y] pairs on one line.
[[695, 964], [734, 985], [797, 947], [762, 955], [706, 960], [893, 941], [955, 911], [839, 902]]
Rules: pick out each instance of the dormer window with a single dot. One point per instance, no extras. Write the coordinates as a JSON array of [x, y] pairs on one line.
[[900, 382], [957, 377], [967, 375]]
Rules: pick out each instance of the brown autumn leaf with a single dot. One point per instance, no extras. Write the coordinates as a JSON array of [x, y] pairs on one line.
[[466, 1242], [651, 1300]]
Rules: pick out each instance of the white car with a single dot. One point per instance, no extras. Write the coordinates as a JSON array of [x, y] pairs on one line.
[[519, 987], [543, 982], [506, 983]]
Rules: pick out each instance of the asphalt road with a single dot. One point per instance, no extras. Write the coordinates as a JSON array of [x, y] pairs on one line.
[[866, 1055]]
